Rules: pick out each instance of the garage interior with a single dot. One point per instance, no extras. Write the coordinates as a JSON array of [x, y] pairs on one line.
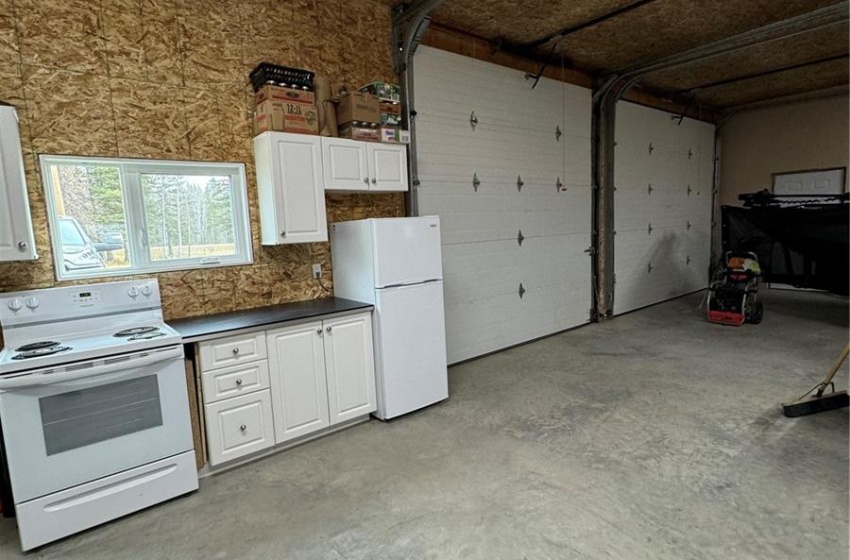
[[578, 154]]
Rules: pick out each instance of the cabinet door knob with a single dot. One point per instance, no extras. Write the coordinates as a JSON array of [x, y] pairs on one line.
[[328, 329], [238, 382], [235, 351], [22, 245], [283, 234], [366, 180], [243, 427], [374, 180], [319, 331]]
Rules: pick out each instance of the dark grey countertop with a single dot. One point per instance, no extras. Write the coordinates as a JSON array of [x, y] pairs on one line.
[[209, 326]]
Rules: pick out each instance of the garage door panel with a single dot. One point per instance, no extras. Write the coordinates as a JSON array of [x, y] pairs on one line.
[[671, 258], [514, 141]]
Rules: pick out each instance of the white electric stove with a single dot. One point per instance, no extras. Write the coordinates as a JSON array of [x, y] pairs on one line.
[[93, 406]]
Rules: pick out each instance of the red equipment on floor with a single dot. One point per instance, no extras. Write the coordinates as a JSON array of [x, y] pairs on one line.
[[733, 296]]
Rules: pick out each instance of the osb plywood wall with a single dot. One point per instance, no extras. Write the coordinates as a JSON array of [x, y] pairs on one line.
[[168, 79]]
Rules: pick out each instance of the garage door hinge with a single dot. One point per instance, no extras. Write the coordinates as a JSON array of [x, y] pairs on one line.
[[688, 225], [651, 147], [521, 291], [519, 183], [520, 238], [649, 189], [690, 153], [689, 190], [558, 134], [473, 120], [649, 229], [649, 268], [559, 186], [475, 182], [688, 260]]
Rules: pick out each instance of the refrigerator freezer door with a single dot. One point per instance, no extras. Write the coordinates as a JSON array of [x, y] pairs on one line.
[[407, 250], [411, 348]]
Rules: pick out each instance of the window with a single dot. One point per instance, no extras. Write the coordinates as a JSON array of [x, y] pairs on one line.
[[124, 216]]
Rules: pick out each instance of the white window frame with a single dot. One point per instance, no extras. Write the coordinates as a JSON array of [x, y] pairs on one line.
[[130, 171]]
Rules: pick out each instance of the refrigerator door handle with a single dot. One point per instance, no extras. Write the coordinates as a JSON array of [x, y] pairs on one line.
[[402, 284]]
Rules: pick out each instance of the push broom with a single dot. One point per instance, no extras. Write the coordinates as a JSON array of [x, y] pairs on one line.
[[819, 402]]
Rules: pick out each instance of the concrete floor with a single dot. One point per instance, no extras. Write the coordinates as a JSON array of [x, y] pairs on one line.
[[653, 436]]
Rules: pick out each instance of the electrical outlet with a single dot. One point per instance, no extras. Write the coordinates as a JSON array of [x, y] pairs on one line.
[[317, 271]]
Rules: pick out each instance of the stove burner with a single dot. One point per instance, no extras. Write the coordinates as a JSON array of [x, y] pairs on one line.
[[40, 352], [147, 336], [135, 331], [37, 346]]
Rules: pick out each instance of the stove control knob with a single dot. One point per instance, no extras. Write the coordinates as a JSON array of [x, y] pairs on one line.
[[146, 290], [133, 292], [32, 302], [15, 304]]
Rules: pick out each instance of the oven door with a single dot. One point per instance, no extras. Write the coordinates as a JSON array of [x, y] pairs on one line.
[[103, 417]]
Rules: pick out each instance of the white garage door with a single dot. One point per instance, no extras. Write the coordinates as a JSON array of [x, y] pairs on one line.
[[663, 173], [513, 195]]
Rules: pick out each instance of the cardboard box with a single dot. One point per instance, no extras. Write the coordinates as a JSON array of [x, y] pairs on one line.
[[394, 135], [383, 90], [360, 107], [391, 108], [286, 117], [369, 134], [277, 93]]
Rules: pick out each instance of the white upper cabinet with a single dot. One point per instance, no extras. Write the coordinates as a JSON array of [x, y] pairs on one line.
[[387, 167], [291, 188], [345, 164], [17, 242], [354, 165]]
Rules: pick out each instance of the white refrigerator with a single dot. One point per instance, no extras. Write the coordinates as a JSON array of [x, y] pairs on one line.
[[396, 264]]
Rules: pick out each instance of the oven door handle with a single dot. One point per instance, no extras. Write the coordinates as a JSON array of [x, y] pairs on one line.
[[120, 366]]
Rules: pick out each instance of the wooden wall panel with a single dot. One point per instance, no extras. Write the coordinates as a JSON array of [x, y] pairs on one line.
[[167, 79]]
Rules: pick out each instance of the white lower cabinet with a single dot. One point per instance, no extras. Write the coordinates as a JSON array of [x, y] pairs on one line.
[[317, 374], [324, 374], [299, 388], [239, 426], [350, 367]]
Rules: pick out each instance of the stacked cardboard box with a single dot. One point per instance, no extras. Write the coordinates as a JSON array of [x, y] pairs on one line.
[[359, 116], [284, 109]]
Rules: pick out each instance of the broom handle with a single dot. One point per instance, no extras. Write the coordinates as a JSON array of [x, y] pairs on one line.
[[835, 367]]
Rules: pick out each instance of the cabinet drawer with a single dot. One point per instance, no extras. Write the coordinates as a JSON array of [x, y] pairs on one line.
[[232, 350], [239, 426], [236, 380]]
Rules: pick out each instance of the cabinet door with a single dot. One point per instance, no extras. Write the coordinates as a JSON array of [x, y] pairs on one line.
[[16, 235], [239, 426], [292, 194], [345, 165], [350, 367], [387, 166], [297, 376]]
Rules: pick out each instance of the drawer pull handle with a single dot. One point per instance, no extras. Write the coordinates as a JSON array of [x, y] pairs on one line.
[[235, 351], [238, 382], [243, 427]]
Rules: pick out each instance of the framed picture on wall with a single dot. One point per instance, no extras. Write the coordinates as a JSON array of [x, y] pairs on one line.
[[810, 182]]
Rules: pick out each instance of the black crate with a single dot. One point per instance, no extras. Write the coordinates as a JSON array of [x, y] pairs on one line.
[[267, 73]]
